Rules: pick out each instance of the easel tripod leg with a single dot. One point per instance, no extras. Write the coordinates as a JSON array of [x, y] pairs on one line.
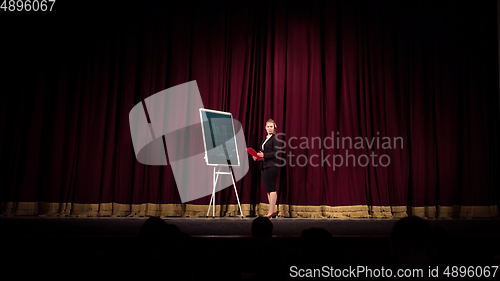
[[236, 192]]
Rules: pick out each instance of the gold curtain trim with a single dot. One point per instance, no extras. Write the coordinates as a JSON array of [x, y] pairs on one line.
[[232, 210]]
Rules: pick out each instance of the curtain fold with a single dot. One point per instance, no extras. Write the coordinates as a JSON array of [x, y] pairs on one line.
[[417, 82]]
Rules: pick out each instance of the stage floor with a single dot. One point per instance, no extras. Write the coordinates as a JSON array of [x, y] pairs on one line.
[[231, 227]]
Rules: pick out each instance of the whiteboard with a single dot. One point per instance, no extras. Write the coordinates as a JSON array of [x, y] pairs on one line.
[[219, 138]]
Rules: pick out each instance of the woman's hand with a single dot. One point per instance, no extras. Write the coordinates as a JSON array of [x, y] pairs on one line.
[[254, 158], [260, 154]]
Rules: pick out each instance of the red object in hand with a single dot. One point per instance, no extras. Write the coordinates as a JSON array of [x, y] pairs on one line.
[[253, 153]]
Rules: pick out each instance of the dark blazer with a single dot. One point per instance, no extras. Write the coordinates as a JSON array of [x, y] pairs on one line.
[[270, 152]]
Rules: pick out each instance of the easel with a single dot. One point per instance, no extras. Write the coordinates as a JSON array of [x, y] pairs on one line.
[[218, 164], [215, 178]]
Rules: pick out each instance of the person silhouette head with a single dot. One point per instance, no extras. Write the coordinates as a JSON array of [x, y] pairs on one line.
[[412, 242], [262, 227]]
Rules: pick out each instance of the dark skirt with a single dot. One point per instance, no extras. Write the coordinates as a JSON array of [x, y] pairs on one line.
[[269, 178]]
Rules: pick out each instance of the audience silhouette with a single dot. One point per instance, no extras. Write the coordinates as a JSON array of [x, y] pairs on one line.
[[263, 258], [262, 227], [164, 248], [412, 243]]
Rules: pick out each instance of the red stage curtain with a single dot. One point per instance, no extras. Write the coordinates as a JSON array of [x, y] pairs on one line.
[[425, 72]]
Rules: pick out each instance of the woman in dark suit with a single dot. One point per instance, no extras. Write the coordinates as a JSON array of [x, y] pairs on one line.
[[269, 167]]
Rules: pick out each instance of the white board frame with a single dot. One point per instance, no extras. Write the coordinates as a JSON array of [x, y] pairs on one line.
[[204, 141]]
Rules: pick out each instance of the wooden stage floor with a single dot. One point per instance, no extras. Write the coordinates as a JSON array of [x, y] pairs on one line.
[[231, 227]]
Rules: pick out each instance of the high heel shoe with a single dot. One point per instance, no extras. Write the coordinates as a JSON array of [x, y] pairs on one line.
[[273, 215]]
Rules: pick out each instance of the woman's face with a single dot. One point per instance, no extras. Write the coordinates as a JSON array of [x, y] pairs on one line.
[[269, 127]]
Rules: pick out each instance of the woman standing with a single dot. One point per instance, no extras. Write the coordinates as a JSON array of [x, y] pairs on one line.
[[269, 167]]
